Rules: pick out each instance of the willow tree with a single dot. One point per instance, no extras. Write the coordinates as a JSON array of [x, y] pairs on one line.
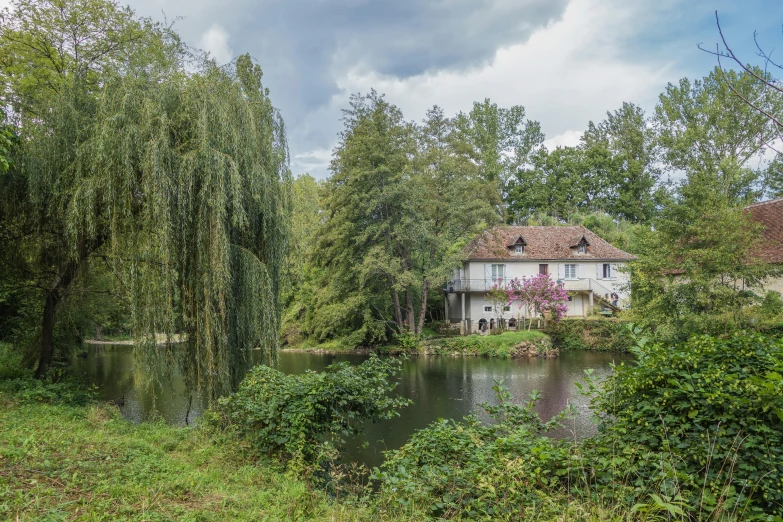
[[179, 183]]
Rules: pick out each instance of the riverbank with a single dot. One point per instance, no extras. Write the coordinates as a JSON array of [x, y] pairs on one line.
[[502, 345], [88, 463]]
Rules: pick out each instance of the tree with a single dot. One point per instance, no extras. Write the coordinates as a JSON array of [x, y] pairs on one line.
[[499, 298], [538, 295], [401, 203], [556, 183], [697, 270], [177, 180], [712, 136], [499, 141], [621, 149], [766, 102]]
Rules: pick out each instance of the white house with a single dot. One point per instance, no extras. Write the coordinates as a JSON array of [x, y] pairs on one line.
[[586, 266]]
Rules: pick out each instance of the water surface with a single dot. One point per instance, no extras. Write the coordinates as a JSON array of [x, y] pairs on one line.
[[440, 387]]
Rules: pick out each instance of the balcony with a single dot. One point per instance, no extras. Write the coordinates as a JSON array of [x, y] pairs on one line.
[[474, 285], [483, 285]]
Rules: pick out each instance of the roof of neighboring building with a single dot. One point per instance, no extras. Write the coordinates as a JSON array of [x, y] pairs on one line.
[[542, 243], [770, 215]]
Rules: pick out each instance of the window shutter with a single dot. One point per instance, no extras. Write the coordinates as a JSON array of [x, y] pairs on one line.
[[580, 271], [561, 271], [599, 269], [487, 271], [613, 270]]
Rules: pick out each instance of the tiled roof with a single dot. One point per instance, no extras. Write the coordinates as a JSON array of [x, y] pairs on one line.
[[770, 215], [542, 243]]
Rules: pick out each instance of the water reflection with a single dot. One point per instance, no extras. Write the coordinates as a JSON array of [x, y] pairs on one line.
[[440, 387]]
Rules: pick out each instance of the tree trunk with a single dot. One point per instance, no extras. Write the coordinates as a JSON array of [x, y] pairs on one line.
[[410, 315], [54, 297], [424, 294], [397, 309]]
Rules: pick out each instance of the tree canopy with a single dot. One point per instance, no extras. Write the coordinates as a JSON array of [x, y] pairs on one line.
[[177, 181]]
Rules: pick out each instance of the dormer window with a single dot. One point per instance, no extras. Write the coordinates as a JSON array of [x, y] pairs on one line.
[[581, 243], [518, 246]]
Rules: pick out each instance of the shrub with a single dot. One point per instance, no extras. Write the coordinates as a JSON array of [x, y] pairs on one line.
[[294, 416], [703, 419], [68, 392], [772, 305], [476, 470], [407, 341], [603, 335]]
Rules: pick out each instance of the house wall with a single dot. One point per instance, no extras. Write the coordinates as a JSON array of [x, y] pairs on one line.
[[586, 269], [775, 284]]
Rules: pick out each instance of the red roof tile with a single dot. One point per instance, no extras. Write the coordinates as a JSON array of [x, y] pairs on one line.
[[770, 215], [542, 243]]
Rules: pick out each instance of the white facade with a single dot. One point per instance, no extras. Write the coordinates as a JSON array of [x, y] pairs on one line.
[[588, 280]]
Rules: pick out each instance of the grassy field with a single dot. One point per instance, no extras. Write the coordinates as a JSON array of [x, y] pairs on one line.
[[87, 463]]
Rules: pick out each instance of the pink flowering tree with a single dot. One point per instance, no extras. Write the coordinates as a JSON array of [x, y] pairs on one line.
[[539, 295], [499, 297]]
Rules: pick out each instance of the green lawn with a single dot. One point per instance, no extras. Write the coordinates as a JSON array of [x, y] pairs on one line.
[[88, 463]]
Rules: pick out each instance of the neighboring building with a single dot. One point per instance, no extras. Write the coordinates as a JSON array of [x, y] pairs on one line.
[[586, 265], [770, 215]]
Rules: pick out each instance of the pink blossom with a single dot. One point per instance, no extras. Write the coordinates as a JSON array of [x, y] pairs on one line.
[[539, 294]]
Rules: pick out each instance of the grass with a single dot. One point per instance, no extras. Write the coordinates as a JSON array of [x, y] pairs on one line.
[[87, 463]]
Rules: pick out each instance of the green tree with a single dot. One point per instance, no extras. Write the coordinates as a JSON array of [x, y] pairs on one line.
[[621, 152], [401, 203], [708, 133], [178, 180], [500, 141]]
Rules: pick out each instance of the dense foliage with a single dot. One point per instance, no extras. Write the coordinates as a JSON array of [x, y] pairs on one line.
[[693, 430], [476, 469], [295, 416], [591, 334], [704, 419], [169, 180]]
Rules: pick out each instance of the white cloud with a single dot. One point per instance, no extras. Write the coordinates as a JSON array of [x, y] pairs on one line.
[[215, 40], [567, 74], [569, 138]]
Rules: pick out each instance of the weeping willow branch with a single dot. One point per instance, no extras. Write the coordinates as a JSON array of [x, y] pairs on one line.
[[186, 177]]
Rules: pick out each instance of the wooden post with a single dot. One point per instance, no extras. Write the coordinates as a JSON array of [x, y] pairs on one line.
[[590, 294]]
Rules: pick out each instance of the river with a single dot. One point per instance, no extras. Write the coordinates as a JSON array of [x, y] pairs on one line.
[[440, 387]]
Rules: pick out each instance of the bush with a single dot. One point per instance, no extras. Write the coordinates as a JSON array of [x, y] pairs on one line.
[[67, 392], [407, 341], [772, 305], [604, 335], [703, 419], [502, 345], [294, 416], [474, 469]]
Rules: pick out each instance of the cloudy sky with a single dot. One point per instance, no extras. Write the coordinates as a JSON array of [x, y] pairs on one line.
[[566, 61]]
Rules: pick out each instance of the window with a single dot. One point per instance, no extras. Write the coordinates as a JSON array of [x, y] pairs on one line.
[[498, 272], [570, 272], [487, 309], [570, 298], [607, 271], [543, 269], [506, 308], [581, 248], [519, 249]]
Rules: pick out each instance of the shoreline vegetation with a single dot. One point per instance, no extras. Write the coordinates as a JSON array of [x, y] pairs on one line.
[[92, 464], [592, 334]]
